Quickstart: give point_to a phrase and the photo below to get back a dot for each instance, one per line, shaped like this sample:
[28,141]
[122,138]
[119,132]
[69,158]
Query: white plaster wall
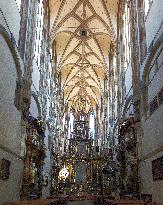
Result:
[33,108]
[153,129]
[48,108]
[157,83]
[128,85]
[128,79]
[10,188]
[10,124]
[152,141]
[152,138]
[35,76]
[35,88]
[147,184]
[153,20]
[12,15]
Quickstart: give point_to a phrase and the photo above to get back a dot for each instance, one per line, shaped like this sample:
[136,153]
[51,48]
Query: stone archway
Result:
[14,52]
[146,72]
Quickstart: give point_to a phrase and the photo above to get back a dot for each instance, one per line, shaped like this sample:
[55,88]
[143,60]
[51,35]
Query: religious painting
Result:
[80,172]
[157,169]
[4,169]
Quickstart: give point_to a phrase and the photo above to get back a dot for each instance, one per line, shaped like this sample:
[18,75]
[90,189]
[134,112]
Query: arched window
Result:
[147,6]
[39,32]
[18,3]
[127,34]
[92,126]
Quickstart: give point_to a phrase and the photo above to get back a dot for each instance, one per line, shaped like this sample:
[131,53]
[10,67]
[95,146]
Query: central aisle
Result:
[83,202]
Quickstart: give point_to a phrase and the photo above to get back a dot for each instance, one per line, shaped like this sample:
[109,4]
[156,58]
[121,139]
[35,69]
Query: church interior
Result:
[81,102]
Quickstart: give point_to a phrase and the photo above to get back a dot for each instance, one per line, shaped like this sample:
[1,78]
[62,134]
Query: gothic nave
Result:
[81,102]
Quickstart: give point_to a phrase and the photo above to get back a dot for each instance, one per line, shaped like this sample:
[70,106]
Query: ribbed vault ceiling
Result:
[82,32]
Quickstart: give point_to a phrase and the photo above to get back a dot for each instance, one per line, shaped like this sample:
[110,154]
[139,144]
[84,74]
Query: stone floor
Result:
[85,202]
[80,202]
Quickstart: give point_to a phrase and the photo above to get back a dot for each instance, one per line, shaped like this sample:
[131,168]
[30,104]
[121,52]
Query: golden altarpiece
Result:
[34,160]
[81,169]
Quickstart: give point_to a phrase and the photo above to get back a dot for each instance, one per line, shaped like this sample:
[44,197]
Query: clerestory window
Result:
[127,35]
[147,6]
[18,3]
